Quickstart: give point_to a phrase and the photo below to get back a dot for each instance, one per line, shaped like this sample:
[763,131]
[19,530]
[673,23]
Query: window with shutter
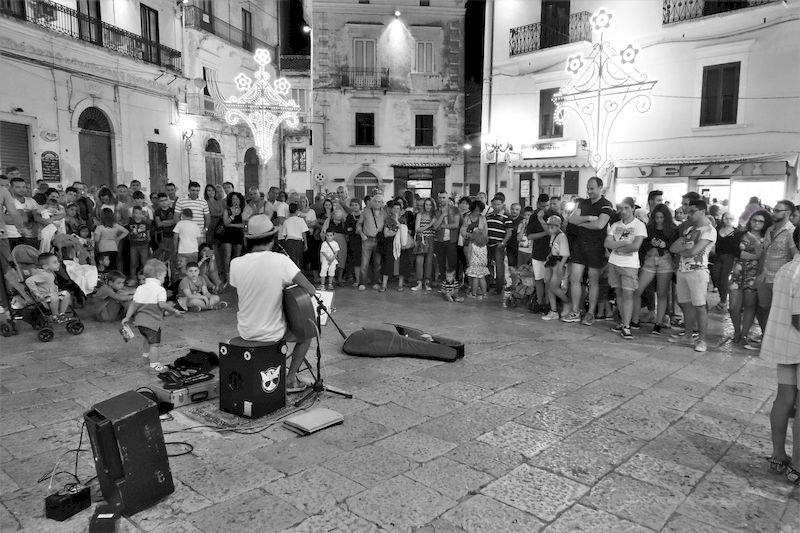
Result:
[547,110]
[424,60]
[720,95]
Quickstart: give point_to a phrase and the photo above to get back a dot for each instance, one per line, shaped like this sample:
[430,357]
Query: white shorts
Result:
[538,270]
[328,268]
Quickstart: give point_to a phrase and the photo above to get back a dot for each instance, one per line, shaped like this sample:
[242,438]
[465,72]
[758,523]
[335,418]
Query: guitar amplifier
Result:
[252,377]
[129,452]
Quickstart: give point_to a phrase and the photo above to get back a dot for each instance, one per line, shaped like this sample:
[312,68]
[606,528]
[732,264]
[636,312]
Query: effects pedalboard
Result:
[67,502]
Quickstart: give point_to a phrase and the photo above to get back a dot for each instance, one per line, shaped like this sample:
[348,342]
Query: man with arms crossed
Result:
[259,278]
[692,249]
[591,217]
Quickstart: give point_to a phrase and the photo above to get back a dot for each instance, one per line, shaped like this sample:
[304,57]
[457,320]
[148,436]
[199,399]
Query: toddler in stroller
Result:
[39,301]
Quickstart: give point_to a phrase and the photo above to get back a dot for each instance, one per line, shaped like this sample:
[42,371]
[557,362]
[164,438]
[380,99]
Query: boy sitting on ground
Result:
[193,293]
[42,284]
[450,286]
[112,299]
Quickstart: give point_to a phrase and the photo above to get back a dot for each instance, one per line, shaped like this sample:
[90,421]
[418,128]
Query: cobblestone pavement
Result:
[543,425]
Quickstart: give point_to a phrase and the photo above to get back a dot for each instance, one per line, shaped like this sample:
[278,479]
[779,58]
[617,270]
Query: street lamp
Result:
[496,147]
[467,147]
[397,14]
[187,131]
[306,28]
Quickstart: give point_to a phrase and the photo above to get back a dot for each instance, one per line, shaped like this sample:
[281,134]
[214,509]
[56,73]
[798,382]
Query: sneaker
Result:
[588,319]
[362,287]
[330,286]
[617,328]
[321,287]
[571,317]
[700,346]
[656,329]
[635,325]
[376,287]
[194,309]
[626,333]
[428,287]
[417,287]
[552,315]
[748,344]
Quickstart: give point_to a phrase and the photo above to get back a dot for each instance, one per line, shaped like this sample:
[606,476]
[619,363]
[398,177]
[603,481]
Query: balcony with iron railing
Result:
[680,10]
[69,22]
[198,19]
[362,78]
[536,36]
[295,63]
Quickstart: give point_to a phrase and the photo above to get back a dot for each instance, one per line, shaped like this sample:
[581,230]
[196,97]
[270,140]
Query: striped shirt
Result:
[497,224]
[199,209]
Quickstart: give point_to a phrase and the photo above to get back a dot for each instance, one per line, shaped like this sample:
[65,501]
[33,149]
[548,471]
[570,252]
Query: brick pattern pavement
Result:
[543,426]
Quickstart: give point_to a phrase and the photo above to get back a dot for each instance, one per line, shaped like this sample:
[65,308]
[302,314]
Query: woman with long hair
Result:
[727,248]
[390,261]
[424,232]
[463,210]
[743,293]
[472,220]
[216,205]
[233,230]
[656,263]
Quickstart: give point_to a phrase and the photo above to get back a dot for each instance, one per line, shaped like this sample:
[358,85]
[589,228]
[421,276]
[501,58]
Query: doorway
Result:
[94,145]
[555,23]
[213,163]
[251,164]
[157,161]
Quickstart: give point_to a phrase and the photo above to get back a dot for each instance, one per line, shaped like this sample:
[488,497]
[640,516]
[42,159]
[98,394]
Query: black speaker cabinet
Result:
[252,377]
[129,452]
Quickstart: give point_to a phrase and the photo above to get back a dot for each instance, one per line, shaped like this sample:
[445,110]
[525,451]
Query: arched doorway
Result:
[213,163]
[364,184]
[251,164]
[94,144]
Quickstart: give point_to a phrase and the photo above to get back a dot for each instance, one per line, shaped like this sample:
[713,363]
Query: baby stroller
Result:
[522,291]
[25,259]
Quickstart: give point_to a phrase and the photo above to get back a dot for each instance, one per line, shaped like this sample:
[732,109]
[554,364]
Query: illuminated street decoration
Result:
[602,85]
[262,105]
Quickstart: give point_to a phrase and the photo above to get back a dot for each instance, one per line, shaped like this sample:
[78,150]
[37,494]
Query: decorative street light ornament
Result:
[262,105]
[602,85]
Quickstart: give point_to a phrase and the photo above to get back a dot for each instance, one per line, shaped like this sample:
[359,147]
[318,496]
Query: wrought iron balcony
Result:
[201,20]
[532,37]
[680,10]
[66,21]
[363,78]
[296,63]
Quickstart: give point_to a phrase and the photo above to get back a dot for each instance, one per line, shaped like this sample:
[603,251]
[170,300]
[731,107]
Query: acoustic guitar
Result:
[299,311]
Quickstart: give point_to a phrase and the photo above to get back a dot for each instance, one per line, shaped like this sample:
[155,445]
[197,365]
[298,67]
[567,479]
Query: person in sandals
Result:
[781,345]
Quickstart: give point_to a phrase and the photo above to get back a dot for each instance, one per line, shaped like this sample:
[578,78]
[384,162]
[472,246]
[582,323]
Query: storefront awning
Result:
[631,161]
[556,162]
[421,163]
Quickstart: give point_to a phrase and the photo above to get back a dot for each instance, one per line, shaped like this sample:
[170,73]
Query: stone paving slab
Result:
[543,426]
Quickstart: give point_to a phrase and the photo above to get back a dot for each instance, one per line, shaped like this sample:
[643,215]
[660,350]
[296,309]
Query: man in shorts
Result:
[591,217]
[624,239]
[538,235]
[781,346]
[692,249]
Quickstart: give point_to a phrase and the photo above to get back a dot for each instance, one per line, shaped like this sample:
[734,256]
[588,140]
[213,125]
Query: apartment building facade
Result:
[388,102]
[724,113]
[110,91]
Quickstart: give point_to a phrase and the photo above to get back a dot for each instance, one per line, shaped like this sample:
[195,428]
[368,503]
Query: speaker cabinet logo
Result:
[270,379]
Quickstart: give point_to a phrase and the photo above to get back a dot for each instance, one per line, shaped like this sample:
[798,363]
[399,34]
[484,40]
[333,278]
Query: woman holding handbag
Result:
[423,244]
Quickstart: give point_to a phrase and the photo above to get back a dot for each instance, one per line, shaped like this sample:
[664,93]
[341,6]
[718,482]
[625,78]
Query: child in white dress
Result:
[477,270]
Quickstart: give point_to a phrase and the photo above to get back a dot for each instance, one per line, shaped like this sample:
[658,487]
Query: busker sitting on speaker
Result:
[259,278]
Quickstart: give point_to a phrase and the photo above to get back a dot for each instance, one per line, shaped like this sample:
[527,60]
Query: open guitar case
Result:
[402,341]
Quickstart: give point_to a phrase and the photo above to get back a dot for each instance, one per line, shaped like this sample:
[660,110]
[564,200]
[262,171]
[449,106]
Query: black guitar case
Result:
[403,342]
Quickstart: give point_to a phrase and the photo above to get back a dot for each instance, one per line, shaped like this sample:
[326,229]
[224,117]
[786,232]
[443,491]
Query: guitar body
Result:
[299,311]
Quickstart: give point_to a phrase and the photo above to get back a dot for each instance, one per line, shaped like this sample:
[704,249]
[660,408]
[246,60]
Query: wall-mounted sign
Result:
[48,135]
[550,149]
[706,170]
[51,169]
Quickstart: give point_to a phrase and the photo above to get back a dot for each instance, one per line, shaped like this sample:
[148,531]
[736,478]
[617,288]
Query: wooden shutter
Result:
[14,149]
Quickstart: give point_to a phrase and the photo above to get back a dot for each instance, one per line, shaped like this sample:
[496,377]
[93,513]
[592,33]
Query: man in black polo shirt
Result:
[537,234]
[591,218]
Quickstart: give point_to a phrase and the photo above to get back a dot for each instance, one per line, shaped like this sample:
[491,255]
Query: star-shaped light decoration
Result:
[601,19]
[262,106]
[629,54]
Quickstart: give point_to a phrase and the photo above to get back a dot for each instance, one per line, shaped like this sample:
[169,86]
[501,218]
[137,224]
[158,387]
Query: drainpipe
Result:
[486,94]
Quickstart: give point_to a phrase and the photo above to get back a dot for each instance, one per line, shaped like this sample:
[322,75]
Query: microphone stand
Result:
[319,385]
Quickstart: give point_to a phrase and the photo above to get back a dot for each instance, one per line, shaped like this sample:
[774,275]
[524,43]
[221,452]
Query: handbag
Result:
[420,243]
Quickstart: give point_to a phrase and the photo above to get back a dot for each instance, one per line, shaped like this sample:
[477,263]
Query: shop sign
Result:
[547,149]
[524,188]
[51,169]
[705,170]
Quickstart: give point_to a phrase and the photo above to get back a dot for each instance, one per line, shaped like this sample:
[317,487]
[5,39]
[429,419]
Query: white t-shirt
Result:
[330,248]
[294,227]
[281,209]
[26,210]
[259,279]
[199,209]
[188,233]
[626,232]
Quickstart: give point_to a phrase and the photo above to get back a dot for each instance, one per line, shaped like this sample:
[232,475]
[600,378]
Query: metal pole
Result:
[486,95]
